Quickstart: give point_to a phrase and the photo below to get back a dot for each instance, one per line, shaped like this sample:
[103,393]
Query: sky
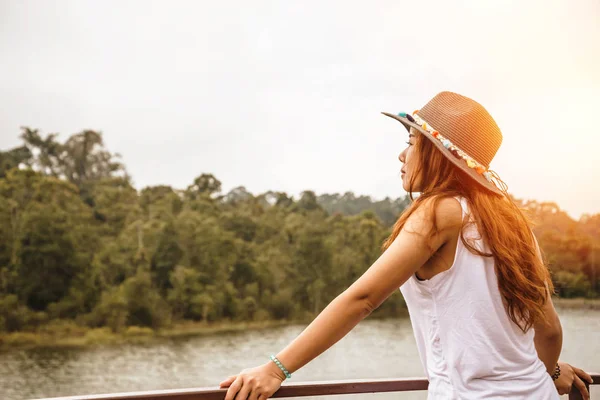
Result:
[287,95]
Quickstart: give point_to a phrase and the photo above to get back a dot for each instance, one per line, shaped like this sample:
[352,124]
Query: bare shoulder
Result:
[447,213]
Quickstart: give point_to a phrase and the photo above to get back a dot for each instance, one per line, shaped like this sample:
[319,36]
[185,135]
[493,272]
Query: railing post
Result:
[576,394]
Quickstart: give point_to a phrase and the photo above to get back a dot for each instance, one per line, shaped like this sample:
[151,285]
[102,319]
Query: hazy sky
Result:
[287,95]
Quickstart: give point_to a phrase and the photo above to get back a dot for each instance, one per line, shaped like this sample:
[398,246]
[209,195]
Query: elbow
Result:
[556,332]
[368,307]
[363,304]
[552,336]
[552,333]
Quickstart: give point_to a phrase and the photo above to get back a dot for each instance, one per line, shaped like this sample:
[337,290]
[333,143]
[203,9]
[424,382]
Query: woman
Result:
[469,268]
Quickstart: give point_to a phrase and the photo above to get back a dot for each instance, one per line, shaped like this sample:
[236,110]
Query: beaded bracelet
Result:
[281,367]
[556,372]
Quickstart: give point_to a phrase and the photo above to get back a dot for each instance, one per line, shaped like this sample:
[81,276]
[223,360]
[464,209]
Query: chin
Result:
[405,186]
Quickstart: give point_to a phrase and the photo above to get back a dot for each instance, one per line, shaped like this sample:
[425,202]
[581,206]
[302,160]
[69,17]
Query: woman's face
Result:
[410,161]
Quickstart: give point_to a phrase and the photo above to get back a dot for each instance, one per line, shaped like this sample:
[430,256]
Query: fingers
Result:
[244,392]
[582,389]
[227,381]
[234,389]
[263,397]
[583,375]
[253,395]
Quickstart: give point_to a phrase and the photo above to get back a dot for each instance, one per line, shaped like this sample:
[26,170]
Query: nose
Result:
[402,156]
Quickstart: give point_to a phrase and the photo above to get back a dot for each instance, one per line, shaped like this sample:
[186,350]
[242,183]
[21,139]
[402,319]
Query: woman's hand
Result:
[257,383]
[570,376]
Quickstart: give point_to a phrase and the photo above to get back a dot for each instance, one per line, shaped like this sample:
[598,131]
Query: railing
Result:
[290,390]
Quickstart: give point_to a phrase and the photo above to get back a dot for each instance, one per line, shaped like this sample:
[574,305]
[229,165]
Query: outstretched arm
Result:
[404,257]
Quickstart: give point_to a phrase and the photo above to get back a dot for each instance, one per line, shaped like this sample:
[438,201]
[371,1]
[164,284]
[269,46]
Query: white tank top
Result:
[469,347]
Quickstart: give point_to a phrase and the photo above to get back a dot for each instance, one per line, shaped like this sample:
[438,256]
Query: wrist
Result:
[556,373]
[274,369]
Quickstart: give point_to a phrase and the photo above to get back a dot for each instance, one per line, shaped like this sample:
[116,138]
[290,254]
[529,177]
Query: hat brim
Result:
[460,163]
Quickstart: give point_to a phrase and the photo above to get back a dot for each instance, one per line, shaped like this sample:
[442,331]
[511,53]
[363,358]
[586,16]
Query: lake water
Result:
[374,349]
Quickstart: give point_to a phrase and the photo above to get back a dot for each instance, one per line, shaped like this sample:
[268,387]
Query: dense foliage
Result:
[79,243]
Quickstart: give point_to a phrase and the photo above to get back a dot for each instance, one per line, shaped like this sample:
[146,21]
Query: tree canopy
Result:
[79,242]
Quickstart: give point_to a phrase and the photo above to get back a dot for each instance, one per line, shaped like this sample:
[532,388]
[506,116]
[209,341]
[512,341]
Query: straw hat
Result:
[463,131]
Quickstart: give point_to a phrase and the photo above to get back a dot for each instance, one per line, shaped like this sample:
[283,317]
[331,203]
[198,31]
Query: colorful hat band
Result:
[458,153]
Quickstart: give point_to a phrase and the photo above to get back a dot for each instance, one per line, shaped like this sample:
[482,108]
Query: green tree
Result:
[166,257]
[115,204]
[145,306]
[13,159]
[204,185]
[53,242]
[81,159]
[185,286]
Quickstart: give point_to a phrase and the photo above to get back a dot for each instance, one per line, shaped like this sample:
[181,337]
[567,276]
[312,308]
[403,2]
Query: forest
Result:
[79,243]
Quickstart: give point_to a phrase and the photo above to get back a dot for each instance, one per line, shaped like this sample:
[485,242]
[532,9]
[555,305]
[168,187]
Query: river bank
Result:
[71,335]
[68,334]
[577,304]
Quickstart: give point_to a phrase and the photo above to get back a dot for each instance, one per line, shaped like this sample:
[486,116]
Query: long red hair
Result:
[523,279]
